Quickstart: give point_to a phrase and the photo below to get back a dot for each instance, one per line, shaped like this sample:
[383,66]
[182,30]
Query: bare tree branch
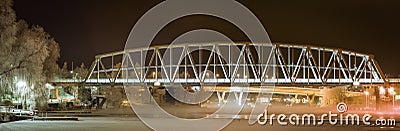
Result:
[20,63]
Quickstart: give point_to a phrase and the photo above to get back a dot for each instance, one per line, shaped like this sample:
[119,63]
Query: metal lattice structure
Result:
[227,63]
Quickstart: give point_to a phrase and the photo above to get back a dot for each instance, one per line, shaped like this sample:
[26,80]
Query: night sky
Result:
[84,28]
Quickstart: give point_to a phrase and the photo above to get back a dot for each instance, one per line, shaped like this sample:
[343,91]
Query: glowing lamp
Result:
[382,90]
[21,83]
[157,83]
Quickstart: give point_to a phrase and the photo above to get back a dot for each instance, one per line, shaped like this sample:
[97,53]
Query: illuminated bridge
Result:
[228,63]
[292,69]
[279,68]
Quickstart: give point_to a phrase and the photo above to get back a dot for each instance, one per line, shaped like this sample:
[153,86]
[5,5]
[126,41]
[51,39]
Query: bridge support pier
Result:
[221,97]
[377,99]
[99,102]
[238,97]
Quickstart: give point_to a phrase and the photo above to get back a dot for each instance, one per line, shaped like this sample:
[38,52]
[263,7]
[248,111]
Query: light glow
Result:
[391,91]
[382,90]
[21,84]
[157,83]
[366,92]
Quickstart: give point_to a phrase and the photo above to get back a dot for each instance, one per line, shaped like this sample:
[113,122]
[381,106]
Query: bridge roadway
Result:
[276,89]
[96,82]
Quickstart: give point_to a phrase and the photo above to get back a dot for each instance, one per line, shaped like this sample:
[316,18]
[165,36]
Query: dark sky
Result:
[84,28]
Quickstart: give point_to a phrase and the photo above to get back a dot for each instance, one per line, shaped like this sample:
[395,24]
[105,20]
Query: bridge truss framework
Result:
[228,63]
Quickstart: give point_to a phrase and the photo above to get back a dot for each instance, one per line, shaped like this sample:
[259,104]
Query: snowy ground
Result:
[133,123]
[124,119]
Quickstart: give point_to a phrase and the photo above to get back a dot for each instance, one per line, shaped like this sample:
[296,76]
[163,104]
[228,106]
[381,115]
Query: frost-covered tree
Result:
[28,57]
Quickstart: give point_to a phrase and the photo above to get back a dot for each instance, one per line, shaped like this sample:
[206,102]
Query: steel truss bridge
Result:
[283,65]
[227,63]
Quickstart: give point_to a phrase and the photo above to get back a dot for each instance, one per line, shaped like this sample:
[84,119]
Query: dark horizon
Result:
[87,28]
